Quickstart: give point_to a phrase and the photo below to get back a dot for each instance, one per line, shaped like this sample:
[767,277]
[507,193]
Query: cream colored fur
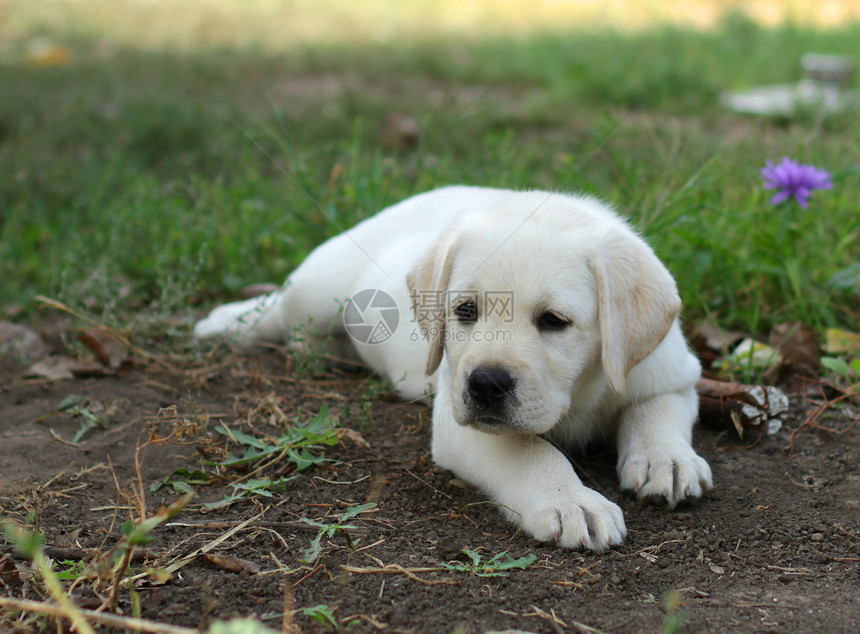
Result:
[616,370]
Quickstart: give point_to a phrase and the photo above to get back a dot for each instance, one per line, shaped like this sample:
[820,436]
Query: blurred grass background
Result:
[155,153]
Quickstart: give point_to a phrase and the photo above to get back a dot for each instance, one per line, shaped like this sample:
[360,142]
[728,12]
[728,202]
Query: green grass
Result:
[144,176]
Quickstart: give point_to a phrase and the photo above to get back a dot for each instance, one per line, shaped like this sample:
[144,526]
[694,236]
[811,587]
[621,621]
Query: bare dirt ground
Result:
[774,548]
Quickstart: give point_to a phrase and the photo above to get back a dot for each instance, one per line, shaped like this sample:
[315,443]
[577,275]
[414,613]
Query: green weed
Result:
[183,481]
[265,487]
[299,445]
[676,618]
[329,530]
[844,369]
[187,172]
[497,566]
[109,572]
[320,613]
[302,446]
[78,406]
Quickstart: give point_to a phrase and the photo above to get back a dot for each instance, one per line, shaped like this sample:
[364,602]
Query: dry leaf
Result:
[232,564]
[842,342]
[59,368]
[55,368]
[9,574]
[799,352]
[715,338]
[109,350]
[355,437]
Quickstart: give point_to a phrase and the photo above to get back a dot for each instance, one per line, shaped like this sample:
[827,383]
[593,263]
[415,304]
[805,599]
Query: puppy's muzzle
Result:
[490,388]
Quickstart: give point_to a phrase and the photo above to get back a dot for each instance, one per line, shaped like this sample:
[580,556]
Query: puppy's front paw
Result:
[582,519]
[665,475]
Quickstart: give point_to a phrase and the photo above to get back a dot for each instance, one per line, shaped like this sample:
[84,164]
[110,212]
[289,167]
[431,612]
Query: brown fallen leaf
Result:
[356,438]
[109,350]
[715,337]
[799,353]
[9,574]
[712,342]
[55,368]
[743,406]
[59,368]
[232,564]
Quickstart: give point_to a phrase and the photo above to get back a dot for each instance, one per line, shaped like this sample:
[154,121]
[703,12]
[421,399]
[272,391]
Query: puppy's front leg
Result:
[533,482]
[655,457]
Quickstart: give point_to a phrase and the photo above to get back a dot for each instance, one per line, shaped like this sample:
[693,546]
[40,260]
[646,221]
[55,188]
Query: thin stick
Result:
[396,569]
[183,561]
[812,419]
[288,623]
[111,620]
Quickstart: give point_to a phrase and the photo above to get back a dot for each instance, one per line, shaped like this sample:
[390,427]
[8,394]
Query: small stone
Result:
[21,343]
[817,537]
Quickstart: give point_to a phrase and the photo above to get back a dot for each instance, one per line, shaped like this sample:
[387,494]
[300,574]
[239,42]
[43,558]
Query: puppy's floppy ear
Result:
[637,304]
[428,285]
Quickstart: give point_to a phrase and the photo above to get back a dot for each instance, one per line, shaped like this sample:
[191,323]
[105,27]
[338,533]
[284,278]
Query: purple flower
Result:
[793,179]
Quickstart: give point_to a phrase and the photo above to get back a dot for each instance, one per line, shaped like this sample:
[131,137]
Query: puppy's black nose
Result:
[489,386]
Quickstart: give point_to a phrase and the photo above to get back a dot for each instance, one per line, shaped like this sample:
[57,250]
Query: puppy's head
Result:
[538,307]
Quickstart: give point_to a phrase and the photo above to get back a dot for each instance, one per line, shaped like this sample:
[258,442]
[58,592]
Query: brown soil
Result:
[774,548]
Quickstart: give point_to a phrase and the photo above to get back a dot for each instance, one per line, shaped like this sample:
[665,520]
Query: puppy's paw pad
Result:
[580,520]
[665,476]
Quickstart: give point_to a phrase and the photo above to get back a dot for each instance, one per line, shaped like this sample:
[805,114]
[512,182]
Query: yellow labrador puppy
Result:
[536,320]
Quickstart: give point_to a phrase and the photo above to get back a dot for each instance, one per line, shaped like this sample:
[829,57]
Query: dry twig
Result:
[398,569]
[103,618]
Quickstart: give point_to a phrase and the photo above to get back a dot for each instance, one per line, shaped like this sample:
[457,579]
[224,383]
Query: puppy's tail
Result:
[247,323]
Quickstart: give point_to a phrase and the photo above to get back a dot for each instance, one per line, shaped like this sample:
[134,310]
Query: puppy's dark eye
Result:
[466,313]
[551,322]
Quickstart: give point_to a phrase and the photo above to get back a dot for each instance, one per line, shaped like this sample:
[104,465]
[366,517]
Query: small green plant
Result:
[321,613]
[71,570]
[675,617]
[307,360]
[496,566]
[138,533]
[77,406]
[845,371]
[327,531]
[30,544]
[135,533]
[182,481]
[299,445]
[265,487]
